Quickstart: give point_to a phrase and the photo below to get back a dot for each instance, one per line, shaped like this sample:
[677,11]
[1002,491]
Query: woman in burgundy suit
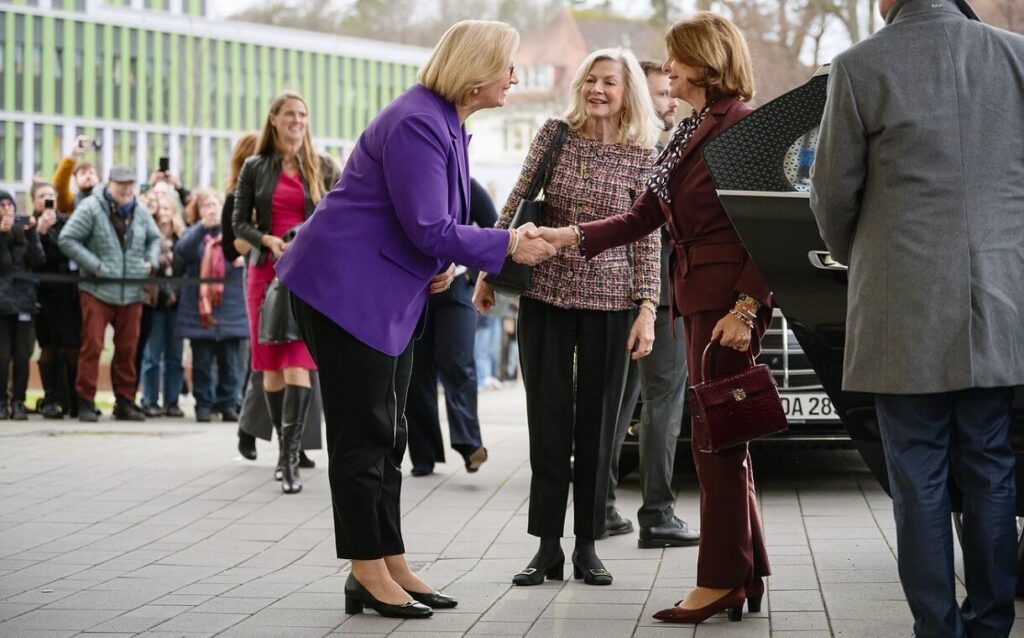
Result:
[715,287]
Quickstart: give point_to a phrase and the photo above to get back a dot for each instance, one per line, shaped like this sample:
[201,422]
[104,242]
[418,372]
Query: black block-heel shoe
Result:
[755,592]
[357,597]
[434,600]
[590,576]
[535,576]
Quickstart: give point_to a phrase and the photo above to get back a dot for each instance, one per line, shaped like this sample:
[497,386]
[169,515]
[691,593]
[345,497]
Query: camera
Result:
[165,165]
[49,203]
[89,144]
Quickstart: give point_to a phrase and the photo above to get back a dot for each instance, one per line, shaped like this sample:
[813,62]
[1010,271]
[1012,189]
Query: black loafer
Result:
[152,411]
[357,597]
[617,526]
[535,576]
[590,575]
[675,533]
[434,600]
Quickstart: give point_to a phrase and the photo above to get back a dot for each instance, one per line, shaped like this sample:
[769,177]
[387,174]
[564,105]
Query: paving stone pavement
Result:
[161,529]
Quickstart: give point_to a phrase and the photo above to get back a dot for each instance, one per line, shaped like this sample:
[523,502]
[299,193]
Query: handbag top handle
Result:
[547,165]
[708,358]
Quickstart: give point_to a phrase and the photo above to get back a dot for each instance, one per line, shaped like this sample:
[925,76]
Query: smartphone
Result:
[89,144]
[49,204]
[165,165]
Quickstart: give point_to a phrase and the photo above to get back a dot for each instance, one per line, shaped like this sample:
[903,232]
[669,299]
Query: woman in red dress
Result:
[278,188]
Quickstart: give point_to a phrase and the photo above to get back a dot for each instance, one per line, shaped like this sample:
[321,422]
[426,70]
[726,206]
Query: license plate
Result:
[808,405]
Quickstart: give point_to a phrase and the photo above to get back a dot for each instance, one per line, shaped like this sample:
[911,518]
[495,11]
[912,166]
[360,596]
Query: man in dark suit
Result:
[661,378]
[445,351]
[919,187]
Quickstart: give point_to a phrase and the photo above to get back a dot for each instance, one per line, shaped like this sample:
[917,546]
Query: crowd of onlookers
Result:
[124,237]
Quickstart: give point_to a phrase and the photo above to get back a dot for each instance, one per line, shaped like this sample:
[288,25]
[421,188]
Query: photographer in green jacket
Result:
[113,236]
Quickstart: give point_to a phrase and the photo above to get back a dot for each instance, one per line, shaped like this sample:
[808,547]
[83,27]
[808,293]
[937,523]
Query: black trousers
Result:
[445,351]
[574,369]
[364,404]
[15,348]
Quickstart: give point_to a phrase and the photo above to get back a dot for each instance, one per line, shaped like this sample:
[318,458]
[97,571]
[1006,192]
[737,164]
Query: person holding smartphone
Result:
[58,325]
[85,174]
[163,175]
[20,252]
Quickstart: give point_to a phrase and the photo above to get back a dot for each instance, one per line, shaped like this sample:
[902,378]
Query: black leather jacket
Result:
[255,192]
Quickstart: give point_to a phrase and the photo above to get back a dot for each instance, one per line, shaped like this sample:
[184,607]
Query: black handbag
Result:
[514,278]
[277,323]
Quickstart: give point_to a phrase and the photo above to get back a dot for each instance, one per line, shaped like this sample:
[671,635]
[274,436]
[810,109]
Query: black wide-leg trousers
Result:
[574,370]
[364,393]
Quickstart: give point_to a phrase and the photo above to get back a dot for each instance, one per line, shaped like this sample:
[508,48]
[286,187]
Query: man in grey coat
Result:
[919,186]
[111,236]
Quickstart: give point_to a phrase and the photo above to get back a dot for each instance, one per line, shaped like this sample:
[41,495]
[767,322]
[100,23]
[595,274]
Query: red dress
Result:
[286,211]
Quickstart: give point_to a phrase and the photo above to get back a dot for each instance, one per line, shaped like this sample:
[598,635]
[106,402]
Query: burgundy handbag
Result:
[737,408]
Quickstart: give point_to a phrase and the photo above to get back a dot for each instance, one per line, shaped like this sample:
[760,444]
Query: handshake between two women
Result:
[531,245]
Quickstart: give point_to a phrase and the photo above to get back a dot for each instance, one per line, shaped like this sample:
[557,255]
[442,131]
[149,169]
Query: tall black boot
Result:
[293,422]
[50,407]
[275,402]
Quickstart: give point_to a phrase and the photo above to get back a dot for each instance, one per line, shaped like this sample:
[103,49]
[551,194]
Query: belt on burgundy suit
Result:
[683,247]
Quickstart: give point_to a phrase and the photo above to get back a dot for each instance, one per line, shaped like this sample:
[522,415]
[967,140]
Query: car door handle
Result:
[822,260]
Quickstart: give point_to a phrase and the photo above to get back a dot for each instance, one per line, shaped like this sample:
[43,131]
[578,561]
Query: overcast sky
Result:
[833,43]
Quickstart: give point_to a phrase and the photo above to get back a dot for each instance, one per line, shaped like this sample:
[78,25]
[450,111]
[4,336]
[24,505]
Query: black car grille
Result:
[782,353]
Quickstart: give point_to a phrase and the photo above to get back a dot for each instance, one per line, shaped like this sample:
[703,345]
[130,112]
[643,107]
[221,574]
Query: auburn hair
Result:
[715,46]
[245,147]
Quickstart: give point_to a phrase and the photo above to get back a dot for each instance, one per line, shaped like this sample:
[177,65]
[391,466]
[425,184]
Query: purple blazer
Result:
[398,216]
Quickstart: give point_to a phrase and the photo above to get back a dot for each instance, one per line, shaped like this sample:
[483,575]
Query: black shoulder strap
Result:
[550,160]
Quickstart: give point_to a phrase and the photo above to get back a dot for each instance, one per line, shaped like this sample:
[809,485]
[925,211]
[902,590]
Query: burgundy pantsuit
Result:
[710,268]
[731,537]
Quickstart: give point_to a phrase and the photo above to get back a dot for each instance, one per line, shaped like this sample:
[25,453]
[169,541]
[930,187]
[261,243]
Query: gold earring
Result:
[475,91]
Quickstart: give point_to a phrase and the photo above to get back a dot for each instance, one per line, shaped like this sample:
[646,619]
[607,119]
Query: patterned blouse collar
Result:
[669,158]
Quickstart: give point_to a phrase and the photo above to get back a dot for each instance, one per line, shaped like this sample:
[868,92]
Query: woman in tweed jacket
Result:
[579,319]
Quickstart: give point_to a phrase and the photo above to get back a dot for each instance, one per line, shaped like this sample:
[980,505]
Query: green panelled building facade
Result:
[159,78]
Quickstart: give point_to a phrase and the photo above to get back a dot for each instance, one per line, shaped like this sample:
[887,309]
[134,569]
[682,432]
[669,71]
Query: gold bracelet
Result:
[747,300]
[647,303]
[579,234]
[749,323]
[515,242]
[745,312]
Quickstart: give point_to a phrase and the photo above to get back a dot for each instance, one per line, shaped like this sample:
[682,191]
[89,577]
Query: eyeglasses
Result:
[511,70]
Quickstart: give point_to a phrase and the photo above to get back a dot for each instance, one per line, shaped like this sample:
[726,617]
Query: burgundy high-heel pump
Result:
[733,601]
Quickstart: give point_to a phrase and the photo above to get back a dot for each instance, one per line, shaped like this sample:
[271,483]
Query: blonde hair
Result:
[309,160]
[639,124]
[714,45]
[245,147]
[468,56]
[152,199]
[199,197]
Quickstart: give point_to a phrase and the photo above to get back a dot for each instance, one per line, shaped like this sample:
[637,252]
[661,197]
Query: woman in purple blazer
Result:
[361,270]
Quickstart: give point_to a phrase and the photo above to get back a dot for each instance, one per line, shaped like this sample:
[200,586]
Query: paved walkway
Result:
[162,530]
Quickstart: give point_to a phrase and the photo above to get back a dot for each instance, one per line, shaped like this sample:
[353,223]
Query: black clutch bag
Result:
[277,323]
[514,278]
